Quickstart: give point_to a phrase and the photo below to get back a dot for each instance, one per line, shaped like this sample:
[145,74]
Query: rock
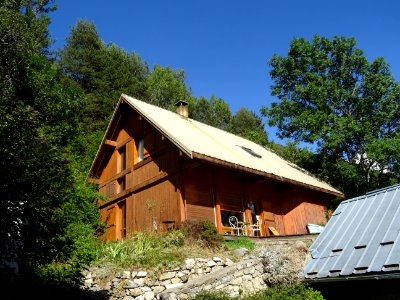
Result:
[237,281]
[133,275]
[228,262]
[135,292]
[258,283]
[240,251]
[216,268]
[126,275]
[189,263]
[149,295]
[166,276]
[139,281]
[158,289]
[130,285]
[141,274]
[173,285]
[217,259]
[184,278]
[175,280]
[211,263]
[249,270]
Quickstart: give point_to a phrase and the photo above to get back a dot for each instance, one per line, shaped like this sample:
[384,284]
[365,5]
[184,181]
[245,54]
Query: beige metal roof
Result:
[197,139]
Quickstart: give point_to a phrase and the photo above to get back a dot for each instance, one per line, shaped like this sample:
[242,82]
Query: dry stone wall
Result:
[280,261]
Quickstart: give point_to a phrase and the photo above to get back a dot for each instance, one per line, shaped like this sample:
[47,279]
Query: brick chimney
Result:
[182,108]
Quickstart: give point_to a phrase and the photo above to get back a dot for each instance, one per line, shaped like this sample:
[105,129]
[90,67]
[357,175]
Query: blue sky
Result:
[224,45]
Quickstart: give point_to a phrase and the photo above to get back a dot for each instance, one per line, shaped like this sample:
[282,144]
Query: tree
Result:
[247,124]
[214,112]
[332,97]
[38,194]
[166,86]
[102,72]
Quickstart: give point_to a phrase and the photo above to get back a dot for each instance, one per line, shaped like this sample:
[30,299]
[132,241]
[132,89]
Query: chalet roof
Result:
[362,238]
[198,140]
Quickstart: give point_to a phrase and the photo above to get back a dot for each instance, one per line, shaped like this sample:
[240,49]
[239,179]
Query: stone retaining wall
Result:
[270,264]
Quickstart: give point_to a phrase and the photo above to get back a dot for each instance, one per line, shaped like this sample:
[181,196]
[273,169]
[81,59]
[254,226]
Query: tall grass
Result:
[144,249]
[165,250]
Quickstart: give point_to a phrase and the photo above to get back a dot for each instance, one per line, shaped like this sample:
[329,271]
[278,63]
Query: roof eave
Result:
[93,167]
[154,123]
[376,276]
[264,174]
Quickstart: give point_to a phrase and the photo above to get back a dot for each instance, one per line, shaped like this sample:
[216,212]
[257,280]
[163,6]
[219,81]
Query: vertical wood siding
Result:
[198,194]
[150,207]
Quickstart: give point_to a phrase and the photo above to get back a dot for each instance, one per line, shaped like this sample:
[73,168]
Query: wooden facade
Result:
[150,184]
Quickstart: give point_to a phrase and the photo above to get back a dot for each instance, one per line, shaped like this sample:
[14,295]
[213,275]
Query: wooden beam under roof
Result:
[110,143]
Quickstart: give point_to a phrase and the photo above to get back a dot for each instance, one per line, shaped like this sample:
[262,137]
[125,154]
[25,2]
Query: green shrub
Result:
[282,292]
[294,292]
[213,296]
[202,230]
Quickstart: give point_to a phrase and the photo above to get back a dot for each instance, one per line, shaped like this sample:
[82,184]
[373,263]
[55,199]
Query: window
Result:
[225,214]
[121,166]
[140,150]
[121,184]
[121,159]
[251,151]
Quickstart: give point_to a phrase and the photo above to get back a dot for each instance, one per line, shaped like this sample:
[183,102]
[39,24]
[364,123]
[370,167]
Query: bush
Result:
[204,231]
[282,292]
[213,296]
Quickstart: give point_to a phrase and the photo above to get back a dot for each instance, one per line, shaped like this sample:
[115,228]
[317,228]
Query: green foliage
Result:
[48,222]
[240,242]
[213,295]
[214,112]
[294,292]
[203,231]
[166,86]
[302,157]
[331,96]
[145,249]
[247,124]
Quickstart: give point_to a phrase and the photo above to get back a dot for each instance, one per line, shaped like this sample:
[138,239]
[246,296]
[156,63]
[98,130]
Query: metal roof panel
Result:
[362,237]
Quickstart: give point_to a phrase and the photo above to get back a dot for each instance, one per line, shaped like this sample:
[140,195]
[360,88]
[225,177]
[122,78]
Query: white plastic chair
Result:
[234,222]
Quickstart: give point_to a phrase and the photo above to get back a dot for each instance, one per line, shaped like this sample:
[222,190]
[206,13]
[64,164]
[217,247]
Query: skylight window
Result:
[251,151]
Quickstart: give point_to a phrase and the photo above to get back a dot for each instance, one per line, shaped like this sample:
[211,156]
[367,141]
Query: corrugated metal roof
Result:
[361,238]
[194,138]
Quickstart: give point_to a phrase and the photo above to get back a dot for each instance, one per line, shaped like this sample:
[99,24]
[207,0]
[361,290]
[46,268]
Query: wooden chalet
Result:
[158,168]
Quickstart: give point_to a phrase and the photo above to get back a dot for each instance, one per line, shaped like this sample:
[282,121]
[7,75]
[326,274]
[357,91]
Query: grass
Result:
[148,250]
[240,242]
[152,250]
